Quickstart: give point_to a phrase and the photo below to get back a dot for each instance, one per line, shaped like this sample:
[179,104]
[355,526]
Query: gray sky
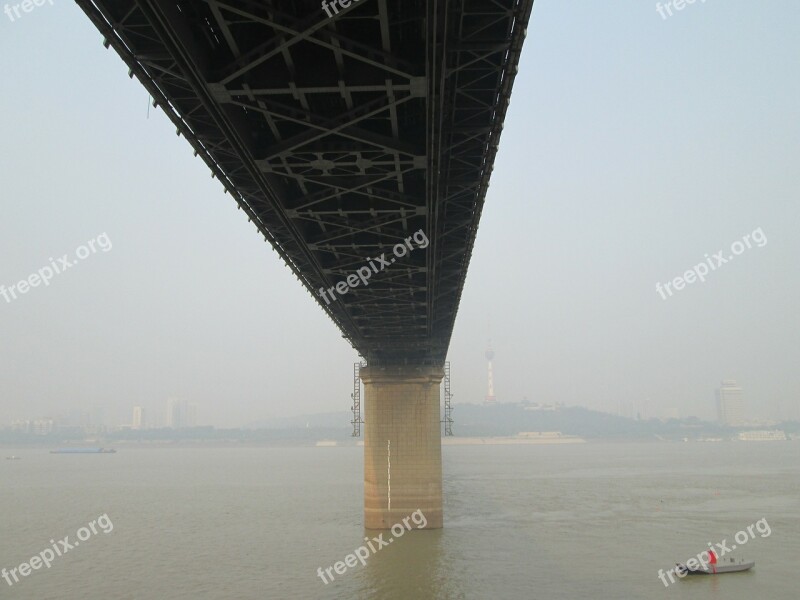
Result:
[633,147]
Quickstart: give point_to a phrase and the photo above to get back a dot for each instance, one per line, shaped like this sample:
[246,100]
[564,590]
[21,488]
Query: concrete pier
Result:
[402,445]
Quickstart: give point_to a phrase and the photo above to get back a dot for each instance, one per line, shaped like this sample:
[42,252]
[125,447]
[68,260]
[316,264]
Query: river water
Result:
[593,520]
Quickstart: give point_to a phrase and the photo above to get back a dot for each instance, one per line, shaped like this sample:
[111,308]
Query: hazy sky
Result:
[633,147]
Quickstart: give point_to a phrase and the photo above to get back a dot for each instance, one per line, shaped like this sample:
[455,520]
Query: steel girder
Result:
[342,136]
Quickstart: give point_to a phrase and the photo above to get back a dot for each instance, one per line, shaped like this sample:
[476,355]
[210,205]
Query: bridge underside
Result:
[345,133]
[341,137]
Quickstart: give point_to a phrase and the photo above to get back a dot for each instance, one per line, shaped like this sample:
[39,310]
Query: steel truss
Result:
[341,137]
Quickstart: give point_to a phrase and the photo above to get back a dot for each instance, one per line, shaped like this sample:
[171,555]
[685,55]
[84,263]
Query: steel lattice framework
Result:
[342,136]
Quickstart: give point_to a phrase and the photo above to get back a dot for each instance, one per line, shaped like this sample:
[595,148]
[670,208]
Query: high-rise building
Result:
[191,414]
[93,420]
[730,404]
[138,418]
[175,413]
[181,413]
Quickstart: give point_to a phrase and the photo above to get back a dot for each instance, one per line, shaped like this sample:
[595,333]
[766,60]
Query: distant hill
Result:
[510,419]
[477,420]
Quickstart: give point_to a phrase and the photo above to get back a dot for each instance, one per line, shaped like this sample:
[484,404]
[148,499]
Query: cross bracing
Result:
[341,137]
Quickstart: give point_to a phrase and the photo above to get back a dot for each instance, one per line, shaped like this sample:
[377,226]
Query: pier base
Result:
[402,445]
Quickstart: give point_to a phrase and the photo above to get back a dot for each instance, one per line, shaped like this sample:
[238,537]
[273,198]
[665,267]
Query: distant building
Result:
[42,426]
[174,413]
[629,409]
[775,435]
[36,427]
[191,414]
[93,420]
[19,425]
[730,404]
[181,413]
[544,406]
[138,418]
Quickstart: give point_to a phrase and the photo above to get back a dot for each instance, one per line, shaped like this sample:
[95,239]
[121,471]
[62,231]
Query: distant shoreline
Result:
[349,442]
[500,441]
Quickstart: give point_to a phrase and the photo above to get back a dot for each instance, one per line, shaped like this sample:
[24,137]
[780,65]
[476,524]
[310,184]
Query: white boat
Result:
[732,566]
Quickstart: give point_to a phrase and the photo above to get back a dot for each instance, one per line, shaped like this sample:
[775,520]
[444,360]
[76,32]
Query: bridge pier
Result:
[402,445]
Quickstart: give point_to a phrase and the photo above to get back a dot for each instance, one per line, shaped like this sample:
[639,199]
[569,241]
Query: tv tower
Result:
[490,399]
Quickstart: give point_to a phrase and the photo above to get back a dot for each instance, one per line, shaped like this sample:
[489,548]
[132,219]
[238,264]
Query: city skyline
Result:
[727,401]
